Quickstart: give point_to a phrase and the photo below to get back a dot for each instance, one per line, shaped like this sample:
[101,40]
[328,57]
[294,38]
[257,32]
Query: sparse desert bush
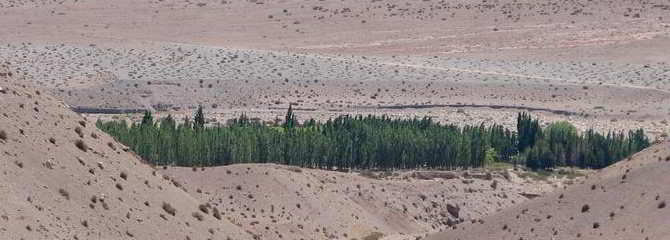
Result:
[585,208]
[3,135]
[64,193]
[198,216]
[111,146]
[369,174]
[374,236]
[81,145]
[169,209]
[204,208]
[79,132]
[216,213]
[661,205]
[124,175]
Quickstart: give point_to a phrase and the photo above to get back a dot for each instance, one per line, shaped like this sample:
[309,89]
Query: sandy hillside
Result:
[62,178]
[54,188]
[278,202]
[625,201]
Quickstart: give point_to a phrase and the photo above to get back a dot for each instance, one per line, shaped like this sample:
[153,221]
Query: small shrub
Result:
[81,145]
[119,186]
[216,213]
[64,193]
[585,208]
[52,140]
[169,209]
[111,145]
[198,216]
[661,205]
[124,175]
[79,132]
[374,236]
[3,135]
[203,208]
[369,174]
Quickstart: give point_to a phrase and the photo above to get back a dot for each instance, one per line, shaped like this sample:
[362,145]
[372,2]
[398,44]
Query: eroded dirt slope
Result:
[61,178]
[279,202]
[625,201]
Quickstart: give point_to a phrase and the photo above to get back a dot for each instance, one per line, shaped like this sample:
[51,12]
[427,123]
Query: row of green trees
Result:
[560,144]
[370,142]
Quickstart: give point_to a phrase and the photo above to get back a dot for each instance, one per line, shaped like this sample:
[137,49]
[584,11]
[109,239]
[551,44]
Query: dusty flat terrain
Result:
[601,61]
[398,27]
[623,201]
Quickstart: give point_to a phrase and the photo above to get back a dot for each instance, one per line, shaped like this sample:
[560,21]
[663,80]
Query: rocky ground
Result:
[598,63]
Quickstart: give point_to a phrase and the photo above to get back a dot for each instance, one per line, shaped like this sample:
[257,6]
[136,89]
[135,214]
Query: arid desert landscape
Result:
[585,70]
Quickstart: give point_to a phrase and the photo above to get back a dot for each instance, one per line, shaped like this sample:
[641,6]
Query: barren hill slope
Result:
[279,202]
[625,201]
[61,178]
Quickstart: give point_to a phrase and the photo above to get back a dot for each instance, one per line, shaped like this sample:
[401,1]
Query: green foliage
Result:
[148,119]
[290,121]
[561,145]
[528,130]
[343,143]
[491,156]
[371,142]
[199,119]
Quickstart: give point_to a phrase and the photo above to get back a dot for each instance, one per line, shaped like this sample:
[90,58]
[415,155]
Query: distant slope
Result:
[50,188]
[278,202]
[625,201]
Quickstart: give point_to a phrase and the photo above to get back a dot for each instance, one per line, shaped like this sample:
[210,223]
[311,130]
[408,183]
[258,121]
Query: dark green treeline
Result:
[370,142]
